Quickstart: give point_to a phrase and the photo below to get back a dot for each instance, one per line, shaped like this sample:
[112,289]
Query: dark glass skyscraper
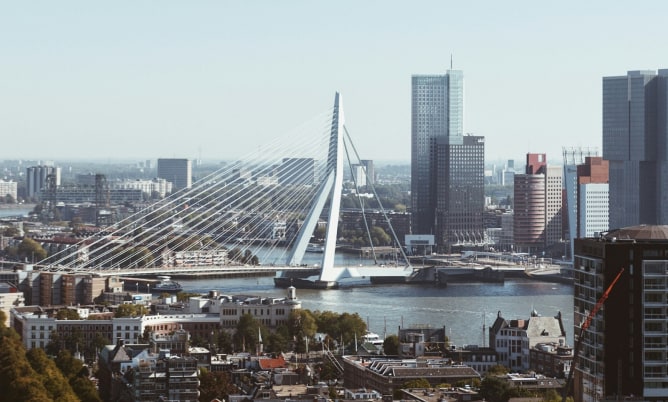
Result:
[635,142]
[447,168]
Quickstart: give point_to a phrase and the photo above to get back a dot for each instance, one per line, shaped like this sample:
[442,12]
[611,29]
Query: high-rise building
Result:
[593,199]
[538,211]
[437,111]
[177,171]
[573,157]
[370,173]
[529,210]
[37,179]
[623,351]
[635,141]
[460,192]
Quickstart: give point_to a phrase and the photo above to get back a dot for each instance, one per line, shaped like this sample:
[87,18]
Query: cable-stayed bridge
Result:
[259,211]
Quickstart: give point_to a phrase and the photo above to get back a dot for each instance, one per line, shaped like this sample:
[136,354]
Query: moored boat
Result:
[166,285]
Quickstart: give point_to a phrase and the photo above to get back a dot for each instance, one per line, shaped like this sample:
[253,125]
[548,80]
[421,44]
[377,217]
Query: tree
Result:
[351,326]
[215,384]
[302,327]
[67,314]
[54,381]
[391,345]
[30,250]
[494,389]
[246,335]
[77,376]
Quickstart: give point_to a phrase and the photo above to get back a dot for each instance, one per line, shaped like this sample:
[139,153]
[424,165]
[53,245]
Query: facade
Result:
[593,197]
[538,210]
[635,142]
[513,339]
[460,192]
[551,359]
[553,206]
[133,372]
[36,179]
[573,157]
[623,352]
[176,171]
[158,186]
[437,111]
[8,188]
[529,212]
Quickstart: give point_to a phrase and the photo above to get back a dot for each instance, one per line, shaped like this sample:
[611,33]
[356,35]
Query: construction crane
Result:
[583,328]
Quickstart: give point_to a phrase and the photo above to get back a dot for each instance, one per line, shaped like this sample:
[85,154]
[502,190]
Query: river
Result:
[463,308]
[16,210]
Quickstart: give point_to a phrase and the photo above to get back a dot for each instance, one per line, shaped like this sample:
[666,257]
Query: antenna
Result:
[450,61]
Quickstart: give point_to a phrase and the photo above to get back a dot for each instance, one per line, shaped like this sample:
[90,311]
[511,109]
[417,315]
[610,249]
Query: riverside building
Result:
[447,167]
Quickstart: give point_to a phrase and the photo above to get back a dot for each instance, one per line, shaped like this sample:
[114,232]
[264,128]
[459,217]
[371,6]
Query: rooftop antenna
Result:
[450,61]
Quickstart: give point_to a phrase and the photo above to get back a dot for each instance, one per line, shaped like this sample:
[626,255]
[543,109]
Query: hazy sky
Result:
[147,79]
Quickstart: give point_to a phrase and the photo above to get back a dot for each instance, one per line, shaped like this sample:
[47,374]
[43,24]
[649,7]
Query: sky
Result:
[209,79]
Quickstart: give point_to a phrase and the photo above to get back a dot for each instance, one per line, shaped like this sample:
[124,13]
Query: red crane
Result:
[583,328]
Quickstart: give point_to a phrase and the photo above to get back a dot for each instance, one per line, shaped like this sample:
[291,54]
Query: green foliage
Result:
[77,376]
[54,381]
[497,370]
[495,389]
[277,341]
[215,384]
[391,345]
[337,326]
[417,383]
[67,314]
[130,310]
[246,335]
[30,250]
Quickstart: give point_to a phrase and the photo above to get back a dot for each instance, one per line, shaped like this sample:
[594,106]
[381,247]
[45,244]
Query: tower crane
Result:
[583,328]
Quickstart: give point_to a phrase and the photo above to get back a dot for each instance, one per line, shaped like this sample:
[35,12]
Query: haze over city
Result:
[180,79]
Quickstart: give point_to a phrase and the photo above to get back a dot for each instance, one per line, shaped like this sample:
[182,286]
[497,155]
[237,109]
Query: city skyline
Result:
[145,77]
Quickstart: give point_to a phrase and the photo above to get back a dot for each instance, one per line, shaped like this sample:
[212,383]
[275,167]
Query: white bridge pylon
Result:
[331,186]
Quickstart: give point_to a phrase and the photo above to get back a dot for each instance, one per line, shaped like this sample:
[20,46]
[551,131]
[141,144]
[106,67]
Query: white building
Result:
[553,205]
[8,188]
[148,187]
[593,212]
[513,339]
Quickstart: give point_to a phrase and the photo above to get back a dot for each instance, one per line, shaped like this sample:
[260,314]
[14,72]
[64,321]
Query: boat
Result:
[166,285]
[373,339]
[315,248]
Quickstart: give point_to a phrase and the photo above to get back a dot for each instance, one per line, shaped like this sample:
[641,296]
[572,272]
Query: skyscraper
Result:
[460,192]
[437,112]
[635,141]
[529,192]
[177,171]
